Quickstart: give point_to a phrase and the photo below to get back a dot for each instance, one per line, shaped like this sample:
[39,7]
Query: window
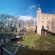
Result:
[42,27]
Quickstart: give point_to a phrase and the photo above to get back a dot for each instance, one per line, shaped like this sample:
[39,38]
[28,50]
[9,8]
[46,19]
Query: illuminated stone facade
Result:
[47,21]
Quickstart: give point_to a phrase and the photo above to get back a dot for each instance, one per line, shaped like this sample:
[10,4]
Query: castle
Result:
[46,21]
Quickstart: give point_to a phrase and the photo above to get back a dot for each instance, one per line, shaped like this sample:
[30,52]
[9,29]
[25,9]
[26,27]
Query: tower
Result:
[39,21]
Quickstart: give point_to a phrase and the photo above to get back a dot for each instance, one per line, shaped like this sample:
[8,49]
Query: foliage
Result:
[10,46]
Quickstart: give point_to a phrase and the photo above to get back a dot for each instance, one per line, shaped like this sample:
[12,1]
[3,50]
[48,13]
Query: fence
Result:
[47,32]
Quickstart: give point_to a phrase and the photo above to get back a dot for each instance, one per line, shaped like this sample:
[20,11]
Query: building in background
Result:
[46,21]
[1,27]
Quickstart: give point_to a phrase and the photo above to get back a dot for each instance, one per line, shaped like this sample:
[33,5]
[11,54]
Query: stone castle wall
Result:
[46,20]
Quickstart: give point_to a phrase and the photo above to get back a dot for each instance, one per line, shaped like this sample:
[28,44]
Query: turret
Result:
[39,21]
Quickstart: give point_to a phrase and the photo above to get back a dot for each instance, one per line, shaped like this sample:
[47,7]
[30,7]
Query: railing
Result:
[4,51]
[46,32]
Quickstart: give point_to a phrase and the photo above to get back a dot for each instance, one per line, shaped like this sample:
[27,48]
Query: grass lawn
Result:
[37,45]
[31,39]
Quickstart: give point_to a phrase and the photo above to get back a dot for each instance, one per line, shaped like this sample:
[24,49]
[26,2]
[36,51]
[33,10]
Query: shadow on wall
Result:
[27,51]
[36,29]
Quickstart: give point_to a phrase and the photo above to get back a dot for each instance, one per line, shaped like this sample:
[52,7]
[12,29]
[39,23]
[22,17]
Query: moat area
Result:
[32,44]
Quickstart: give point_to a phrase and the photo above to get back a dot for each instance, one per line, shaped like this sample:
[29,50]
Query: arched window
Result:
[42,27]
